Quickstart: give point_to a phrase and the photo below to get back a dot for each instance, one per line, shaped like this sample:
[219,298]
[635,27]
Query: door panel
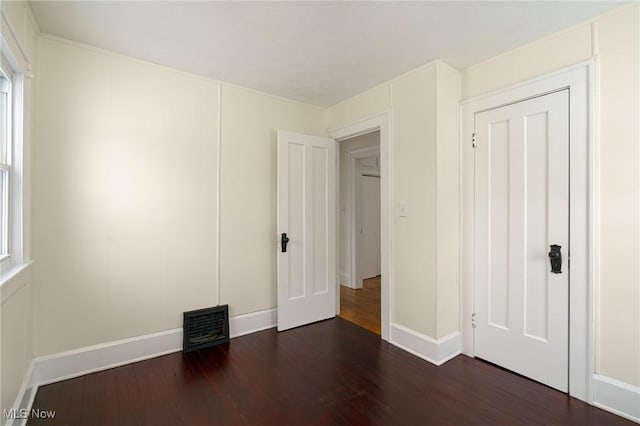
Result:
[370,227]
[306,198]
[522,193]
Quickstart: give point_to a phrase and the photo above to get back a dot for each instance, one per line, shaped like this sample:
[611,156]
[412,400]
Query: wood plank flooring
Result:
[362,306]
[329,373]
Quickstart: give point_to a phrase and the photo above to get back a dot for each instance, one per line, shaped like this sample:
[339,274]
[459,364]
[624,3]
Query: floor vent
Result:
[205,327]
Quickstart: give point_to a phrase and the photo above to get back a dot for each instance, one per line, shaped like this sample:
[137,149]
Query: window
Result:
[12,213]
[5,161]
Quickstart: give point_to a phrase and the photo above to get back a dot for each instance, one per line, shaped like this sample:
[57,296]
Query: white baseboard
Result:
[435,351]
[240,325]
[345,279]
[617,397]
[78,362]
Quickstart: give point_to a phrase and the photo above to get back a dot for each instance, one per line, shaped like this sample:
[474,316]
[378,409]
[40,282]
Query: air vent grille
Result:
[205,327]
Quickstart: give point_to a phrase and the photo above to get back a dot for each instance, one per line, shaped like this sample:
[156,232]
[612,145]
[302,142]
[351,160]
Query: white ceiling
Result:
[315,52]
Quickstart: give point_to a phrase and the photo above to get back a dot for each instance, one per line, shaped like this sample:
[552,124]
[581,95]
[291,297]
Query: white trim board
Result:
[53,368]
[436,351]
[617,397]
[579,80]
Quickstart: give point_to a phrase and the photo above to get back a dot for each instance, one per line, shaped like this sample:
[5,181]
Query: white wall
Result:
[344,221]
[614,39]
[16,293]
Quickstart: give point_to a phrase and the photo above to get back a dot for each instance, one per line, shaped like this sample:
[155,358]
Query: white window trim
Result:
[16,259]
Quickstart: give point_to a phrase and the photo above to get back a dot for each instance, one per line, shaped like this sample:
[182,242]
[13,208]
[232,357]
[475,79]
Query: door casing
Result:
[579,80]
[377,122]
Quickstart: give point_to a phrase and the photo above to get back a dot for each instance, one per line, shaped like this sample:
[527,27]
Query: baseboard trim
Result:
[617,397]
[240,325]
[435,351]
[345,279]
[47,369]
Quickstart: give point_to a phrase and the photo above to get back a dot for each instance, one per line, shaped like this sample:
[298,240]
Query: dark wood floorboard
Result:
[328,373]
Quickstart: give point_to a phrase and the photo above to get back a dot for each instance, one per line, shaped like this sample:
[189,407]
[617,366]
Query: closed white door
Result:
[306,200]
[522,209]
[369,252]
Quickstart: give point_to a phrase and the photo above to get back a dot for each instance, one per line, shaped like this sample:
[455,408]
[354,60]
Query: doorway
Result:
[380,123]
[480,303]
[360,231]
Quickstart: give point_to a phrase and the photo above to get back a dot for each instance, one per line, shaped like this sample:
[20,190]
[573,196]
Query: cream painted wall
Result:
[359,107]
[248,239]
[414,183]
[615,40]
[418,135]
[448,199]
[550,53]
[125,197]
[344,225]
[127,238]
[618,262]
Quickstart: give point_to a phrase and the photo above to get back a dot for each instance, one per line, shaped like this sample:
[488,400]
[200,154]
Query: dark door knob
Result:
[555,257]
[283,242]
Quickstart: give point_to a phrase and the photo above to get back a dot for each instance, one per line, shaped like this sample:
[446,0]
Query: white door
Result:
[522,208]
[306,199]
[369,252]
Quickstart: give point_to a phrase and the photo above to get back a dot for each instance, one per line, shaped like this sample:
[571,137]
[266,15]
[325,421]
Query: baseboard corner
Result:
[436,351]
[617,397]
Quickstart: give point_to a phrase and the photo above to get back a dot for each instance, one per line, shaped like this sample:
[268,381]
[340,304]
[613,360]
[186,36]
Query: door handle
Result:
[555,257]
[283,242]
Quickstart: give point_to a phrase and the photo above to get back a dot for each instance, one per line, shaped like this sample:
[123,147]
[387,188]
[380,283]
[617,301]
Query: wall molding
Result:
[617,397]
[436,351]
[345,279]
[47,369]
[240,325]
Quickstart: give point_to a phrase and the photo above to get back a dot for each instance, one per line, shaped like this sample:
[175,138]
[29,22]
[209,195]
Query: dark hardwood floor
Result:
[362,306]
[328,373]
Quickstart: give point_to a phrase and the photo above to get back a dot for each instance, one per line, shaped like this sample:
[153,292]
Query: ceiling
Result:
[315,52]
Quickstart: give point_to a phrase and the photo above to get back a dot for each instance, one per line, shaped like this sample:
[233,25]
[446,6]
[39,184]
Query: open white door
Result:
[522,222]
[307,215]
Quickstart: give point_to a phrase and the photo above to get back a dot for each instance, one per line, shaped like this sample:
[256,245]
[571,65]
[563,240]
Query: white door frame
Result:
[354,218]
[579,80]
[377,122]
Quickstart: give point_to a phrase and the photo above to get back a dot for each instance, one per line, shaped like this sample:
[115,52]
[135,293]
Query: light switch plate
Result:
[403,209]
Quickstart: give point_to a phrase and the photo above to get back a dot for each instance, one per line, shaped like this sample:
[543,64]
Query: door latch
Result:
[555,257]
[283,242]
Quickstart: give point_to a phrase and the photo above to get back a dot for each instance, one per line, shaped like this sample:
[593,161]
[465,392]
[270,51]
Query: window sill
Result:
[8,285]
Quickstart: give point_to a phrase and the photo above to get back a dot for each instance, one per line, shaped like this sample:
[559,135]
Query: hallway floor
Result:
[362,306]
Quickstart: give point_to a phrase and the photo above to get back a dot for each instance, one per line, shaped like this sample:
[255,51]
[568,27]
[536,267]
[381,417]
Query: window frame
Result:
[6,142]
[13,242]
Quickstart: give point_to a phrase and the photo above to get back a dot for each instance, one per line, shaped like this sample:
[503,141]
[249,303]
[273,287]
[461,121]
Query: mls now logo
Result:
[36,413]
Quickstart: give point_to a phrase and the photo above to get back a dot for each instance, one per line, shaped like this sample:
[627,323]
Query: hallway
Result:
[362,306]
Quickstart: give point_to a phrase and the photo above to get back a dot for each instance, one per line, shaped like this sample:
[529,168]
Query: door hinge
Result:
[473,320]
[473,140]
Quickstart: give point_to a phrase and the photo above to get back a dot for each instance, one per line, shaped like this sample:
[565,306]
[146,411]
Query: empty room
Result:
[331,212]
